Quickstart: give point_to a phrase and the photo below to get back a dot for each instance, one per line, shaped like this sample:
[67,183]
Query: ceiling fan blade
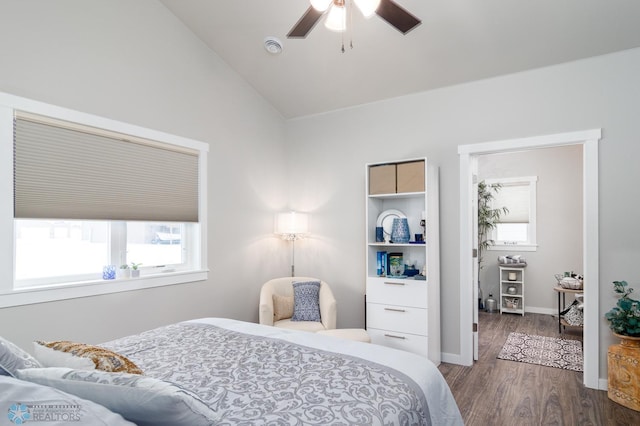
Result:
[397,16]
[305,24]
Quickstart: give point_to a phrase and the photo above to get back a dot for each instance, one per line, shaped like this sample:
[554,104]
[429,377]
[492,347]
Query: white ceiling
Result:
[458,41]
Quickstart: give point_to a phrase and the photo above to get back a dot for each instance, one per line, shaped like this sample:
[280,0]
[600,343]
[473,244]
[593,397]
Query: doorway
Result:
[468,291]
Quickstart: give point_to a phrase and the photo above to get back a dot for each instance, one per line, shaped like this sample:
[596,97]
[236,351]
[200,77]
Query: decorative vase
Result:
[400,231]
[491,304]
[109,272]
[624,372]
[379,234]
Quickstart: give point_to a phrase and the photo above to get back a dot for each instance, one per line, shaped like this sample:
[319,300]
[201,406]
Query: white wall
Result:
[329,152]
[558,219]
[135,62]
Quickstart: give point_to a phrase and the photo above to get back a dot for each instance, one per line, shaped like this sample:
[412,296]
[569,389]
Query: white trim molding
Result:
[12,296]
[589,140]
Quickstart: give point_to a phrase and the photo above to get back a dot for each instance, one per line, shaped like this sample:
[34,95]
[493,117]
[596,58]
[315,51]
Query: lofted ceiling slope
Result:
[458,41]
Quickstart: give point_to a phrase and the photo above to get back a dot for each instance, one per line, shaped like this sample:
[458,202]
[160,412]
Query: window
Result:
[517,228]
[69,251]
[89,192]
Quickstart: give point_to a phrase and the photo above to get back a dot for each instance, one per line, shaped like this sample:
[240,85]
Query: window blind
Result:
[516,198]
[66,170]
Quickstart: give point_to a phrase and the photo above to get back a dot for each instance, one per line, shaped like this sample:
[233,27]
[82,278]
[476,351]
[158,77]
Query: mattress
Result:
[254,374]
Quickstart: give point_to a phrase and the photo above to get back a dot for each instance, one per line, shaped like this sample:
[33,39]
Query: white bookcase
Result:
[511,290]
[404,311]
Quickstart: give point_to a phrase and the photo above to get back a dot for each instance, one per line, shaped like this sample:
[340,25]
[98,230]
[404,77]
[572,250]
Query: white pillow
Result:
[140,399]
[26,400]
[50,357]
[80,356]
[13,358]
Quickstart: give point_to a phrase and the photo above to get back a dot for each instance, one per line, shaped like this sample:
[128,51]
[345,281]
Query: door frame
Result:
[589,140]
[475,264]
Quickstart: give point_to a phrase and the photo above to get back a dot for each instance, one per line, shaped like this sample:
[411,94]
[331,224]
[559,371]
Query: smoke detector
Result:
[273,45]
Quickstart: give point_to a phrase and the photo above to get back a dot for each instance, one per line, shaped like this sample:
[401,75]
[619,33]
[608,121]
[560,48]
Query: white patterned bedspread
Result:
[255,374]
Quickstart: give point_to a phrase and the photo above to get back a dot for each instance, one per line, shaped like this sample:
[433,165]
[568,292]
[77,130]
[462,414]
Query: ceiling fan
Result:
[336,12]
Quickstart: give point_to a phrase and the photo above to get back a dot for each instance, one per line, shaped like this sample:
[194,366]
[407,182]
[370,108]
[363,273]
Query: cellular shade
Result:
[515,197]
[69,171]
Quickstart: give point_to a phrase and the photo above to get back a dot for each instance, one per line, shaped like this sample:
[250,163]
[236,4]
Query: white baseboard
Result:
[545,311]
[451,358]
[603,384]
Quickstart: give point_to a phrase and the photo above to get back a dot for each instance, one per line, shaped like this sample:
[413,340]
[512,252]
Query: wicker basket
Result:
[571,283]
[511,303]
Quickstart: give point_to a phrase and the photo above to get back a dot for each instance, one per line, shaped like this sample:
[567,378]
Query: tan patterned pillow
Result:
[282,307]
[79,355]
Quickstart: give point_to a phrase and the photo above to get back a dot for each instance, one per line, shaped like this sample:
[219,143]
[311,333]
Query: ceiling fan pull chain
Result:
[351,25]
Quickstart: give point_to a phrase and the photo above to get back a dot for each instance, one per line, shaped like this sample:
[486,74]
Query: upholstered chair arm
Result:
[328,307]
[266,306]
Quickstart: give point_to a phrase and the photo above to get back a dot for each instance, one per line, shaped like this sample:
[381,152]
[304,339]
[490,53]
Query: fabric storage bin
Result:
[382,179]
[410,177]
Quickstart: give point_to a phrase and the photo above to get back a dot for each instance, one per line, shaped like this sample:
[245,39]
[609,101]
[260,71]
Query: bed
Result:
[244,373]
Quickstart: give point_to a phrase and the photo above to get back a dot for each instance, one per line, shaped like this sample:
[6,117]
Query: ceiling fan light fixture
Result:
[367,7]
[321,5]
[336,19]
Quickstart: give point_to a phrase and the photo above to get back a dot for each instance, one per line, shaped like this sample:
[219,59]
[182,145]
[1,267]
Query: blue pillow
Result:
[12,358]
[306,301]
[143,400]
[22,401]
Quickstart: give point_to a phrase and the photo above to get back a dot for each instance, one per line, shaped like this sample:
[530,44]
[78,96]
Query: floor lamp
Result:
[292,226]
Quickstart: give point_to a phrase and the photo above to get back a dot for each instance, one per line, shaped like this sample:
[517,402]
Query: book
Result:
[381,263]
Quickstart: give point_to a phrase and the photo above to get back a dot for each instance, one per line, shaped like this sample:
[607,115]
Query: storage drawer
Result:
[389,291]
[405,319]
[403,341]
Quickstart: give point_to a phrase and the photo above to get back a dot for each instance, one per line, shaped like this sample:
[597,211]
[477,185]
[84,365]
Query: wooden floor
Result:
[500,392]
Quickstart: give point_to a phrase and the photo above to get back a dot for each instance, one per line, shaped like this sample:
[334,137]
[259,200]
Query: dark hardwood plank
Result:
[500,392]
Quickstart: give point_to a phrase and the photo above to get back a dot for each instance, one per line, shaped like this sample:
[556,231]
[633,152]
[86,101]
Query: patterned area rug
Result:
[547,351]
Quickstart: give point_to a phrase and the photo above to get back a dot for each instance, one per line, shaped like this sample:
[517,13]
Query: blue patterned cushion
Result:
[306,305]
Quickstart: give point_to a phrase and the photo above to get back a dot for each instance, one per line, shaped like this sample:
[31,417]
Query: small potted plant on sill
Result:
[624,358]
[124,272]
[135,272]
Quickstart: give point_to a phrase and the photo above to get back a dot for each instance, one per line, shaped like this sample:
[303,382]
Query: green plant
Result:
[125,266]
[624,318]
[134,266]
[488,217]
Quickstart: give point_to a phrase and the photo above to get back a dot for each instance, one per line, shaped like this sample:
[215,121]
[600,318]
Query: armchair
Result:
[283,287]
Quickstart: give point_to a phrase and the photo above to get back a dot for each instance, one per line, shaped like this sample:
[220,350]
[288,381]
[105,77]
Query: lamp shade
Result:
[367,7]
[321,5]
[292,224]
[336,18]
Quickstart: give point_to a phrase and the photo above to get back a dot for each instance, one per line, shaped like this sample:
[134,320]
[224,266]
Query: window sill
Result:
[34,295]
[513,247]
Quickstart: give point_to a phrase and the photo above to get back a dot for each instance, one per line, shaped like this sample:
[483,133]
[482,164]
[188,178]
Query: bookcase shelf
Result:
[404,311]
